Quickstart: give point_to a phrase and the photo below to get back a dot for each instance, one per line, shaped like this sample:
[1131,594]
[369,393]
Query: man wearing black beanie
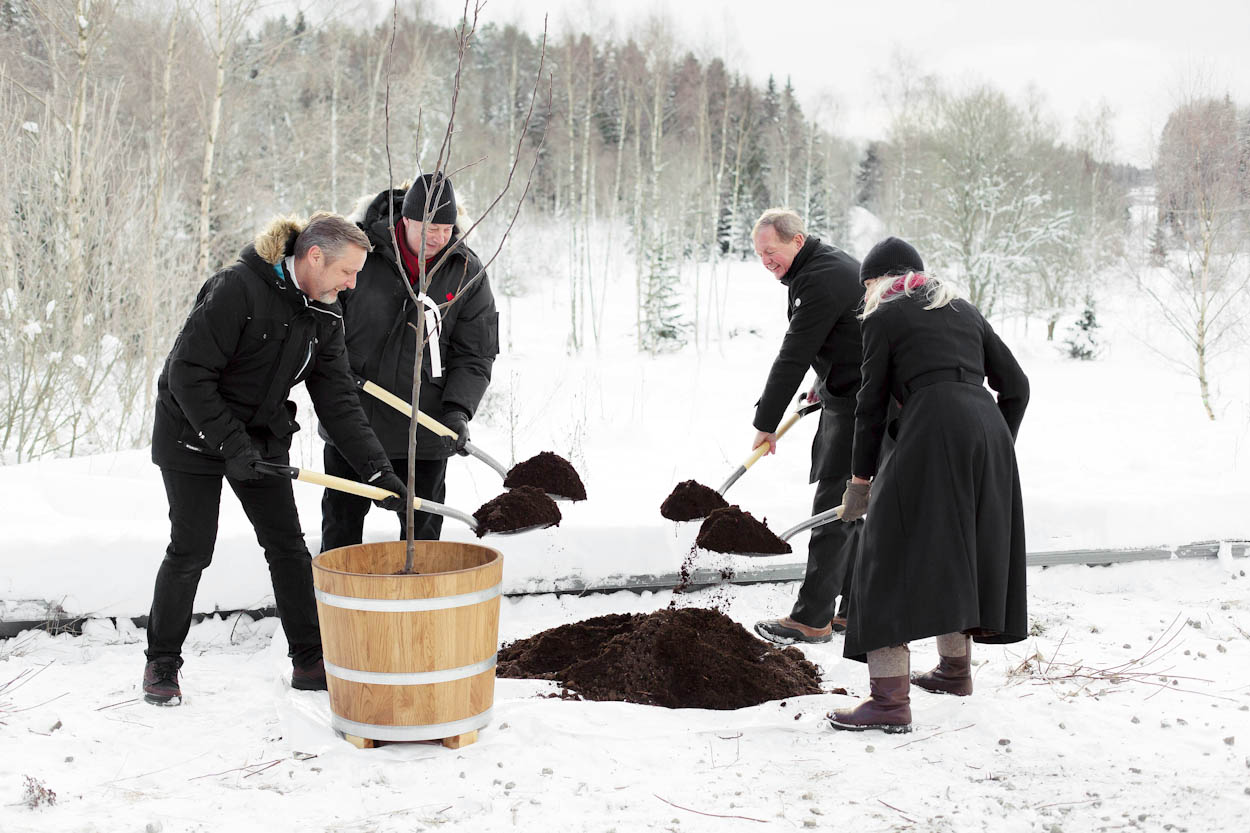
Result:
[824,296]
[379,317]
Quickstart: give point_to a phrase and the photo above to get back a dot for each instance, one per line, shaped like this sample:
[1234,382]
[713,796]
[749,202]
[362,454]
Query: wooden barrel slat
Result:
[413,705]
[378,660]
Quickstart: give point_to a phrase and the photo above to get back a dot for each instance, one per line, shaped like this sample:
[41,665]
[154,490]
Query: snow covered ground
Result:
[1128,710]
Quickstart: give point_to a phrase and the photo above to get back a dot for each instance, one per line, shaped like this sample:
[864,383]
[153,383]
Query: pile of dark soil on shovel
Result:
[690,501]
[689,658]
[732,530]
[549,472]
[523,507]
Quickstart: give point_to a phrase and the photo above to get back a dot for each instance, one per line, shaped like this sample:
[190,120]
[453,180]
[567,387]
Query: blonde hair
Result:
[937,292]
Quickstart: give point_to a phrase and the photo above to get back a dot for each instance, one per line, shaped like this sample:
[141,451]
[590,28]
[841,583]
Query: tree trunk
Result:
[210,143]
[151,308]
[74,195]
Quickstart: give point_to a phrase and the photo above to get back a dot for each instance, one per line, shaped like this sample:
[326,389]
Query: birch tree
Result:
[1204,218]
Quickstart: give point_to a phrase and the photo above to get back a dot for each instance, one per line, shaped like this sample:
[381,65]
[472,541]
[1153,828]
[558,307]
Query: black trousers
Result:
[194,507]
[343,515]
[830,561]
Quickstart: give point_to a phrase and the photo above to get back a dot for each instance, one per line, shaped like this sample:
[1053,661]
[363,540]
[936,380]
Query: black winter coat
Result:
[824,297]
[382,348]
[943,543]
[251,337]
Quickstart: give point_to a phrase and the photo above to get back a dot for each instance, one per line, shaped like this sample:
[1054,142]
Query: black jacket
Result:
[824,298]
[251,337]
[381,347]
[903,341]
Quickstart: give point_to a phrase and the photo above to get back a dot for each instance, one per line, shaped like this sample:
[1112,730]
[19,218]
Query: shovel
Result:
[341,484]
[430,423]
[763,448]
[814,521]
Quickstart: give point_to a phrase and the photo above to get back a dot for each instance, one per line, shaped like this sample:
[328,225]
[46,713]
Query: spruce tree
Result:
[1082,342]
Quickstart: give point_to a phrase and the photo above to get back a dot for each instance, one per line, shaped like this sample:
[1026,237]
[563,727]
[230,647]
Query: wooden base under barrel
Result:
[410,657]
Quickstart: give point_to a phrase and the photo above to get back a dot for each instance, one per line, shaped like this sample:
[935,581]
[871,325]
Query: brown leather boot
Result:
[953,674]
[888,709]
[309,677]
[787,631]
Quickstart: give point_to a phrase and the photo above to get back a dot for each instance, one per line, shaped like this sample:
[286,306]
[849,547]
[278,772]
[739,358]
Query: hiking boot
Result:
[888,709]
[309,677]
[160,682]
[953,675]
[787,632]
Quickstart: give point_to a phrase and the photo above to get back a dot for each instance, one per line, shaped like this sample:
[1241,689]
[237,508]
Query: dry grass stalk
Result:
[1079,678]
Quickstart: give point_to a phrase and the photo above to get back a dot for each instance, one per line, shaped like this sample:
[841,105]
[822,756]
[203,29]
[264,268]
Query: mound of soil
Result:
[731,530]
[524,506]
[690,501]
[690,658]
[549,472]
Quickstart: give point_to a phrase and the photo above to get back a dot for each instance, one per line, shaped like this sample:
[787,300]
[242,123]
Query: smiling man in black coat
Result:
[823,300]
[379,317]
[258,328]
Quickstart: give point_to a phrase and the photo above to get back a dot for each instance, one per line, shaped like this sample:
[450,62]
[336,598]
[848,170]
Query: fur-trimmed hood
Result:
[277,240]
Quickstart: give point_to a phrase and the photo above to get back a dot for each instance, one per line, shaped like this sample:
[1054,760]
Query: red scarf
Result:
[412,261]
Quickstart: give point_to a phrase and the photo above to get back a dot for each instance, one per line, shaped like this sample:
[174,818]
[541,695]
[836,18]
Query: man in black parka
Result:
[379,317]
[824,297]
[258,328]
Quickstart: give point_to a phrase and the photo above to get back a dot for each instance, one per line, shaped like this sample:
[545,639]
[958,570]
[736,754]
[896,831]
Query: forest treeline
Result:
[142,143]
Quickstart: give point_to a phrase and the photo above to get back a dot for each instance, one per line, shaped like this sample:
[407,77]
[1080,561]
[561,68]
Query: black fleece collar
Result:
[800,260]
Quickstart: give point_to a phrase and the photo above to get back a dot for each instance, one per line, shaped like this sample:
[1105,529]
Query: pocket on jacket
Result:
[258,332]
[481,335]
[190,439]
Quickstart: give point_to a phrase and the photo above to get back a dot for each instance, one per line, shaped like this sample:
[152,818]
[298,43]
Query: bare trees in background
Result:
[1203,203]
[73,231]
[142,143]
[1019,218]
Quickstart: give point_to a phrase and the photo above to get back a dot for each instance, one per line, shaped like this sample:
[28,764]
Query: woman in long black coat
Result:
[943,541]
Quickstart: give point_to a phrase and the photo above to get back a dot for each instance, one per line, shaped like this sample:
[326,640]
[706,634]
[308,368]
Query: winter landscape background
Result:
[636,334]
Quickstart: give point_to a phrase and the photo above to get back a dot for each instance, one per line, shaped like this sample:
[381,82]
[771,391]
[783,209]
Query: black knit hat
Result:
[890,257]
[442,206]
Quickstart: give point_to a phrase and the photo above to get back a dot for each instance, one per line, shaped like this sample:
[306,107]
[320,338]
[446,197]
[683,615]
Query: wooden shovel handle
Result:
[423,419]
[781,432]
[342,484]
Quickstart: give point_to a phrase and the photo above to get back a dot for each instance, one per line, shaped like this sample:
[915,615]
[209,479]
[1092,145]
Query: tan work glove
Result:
[854,501]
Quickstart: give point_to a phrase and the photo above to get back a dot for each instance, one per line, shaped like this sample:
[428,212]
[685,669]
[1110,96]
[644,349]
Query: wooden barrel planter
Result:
[410,657]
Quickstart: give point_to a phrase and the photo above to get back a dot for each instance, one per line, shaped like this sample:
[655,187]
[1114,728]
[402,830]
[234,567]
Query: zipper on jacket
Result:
[307,359]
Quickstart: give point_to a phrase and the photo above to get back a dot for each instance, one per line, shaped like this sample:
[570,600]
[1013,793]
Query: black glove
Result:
[457,421]
[240,455]
[855,501]
[387,479]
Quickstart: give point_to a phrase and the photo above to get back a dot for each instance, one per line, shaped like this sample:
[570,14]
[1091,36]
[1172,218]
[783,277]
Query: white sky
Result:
[1139,56]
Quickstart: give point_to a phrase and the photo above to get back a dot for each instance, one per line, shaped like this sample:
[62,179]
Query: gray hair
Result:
[331,233]
[786,222]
